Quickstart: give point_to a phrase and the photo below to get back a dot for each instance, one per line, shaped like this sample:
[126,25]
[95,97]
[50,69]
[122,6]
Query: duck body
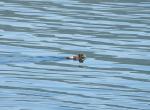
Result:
[73,57]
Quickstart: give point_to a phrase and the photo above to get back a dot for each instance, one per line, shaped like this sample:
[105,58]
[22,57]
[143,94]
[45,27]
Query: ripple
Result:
[36,36]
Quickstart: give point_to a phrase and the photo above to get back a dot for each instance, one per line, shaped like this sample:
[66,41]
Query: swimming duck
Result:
[80,57]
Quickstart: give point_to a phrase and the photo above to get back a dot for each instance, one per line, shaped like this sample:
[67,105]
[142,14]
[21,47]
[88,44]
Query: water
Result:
[35,35]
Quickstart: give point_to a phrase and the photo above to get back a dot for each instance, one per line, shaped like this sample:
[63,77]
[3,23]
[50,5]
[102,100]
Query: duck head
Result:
[81,57]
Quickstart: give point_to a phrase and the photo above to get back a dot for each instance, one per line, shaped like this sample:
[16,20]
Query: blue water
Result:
[37,35]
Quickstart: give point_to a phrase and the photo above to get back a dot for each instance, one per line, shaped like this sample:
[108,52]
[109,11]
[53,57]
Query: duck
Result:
[80,57]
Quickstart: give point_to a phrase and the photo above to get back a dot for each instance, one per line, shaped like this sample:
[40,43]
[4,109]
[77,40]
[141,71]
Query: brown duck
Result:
[80,57]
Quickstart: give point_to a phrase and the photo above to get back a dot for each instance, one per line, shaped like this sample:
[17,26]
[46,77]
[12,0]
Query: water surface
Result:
[35,35]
